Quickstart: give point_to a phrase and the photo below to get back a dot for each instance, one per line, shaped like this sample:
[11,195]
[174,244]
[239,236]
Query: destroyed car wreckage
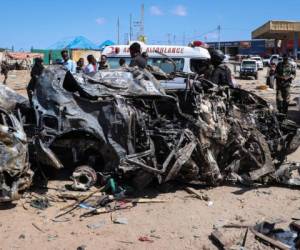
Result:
[120,123]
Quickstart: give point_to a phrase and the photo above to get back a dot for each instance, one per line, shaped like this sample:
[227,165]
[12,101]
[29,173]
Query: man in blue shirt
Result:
[67,62]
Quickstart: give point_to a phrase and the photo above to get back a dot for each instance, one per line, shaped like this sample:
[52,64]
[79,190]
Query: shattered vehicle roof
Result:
[120,122]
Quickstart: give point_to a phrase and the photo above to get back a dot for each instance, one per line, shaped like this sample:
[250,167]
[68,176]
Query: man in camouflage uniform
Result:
[284,73]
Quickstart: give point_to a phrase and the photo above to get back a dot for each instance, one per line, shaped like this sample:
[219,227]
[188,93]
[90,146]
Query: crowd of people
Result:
[216,71]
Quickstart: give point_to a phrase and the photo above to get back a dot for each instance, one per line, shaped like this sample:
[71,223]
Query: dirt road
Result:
[182,222]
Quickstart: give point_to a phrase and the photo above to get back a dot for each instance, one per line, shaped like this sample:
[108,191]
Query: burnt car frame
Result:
[120,123]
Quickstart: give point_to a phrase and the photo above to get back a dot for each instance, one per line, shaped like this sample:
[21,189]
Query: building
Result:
[273,37]
[285,34]
[260,47]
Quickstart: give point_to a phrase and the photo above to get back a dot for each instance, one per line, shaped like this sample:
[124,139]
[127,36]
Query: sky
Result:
[41,23]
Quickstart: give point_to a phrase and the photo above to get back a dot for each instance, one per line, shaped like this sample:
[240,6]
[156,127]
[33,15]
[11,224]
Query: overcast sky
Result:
[41,23]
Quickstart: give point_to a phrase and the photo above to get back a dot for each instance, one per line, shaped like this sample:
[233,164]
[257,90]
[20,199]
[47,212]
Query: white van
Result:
[186,58]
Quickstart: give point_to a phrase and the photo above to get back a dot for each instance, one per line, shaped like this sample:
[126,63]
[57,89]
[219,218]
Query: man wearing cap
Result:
[284,73]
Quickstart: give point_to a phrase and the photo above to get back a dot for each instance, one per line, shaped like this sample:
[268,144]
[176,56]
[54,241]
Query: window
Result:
[249,63]
[199,66]
[163,63]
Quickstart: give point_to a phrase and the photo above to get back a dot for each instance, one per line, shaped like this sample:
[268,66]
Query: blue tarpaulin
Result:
[106,43]
[79,42]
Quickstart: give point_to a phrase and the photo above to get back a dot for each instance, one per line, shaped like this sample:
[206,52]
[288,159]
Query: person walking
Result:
[4,70]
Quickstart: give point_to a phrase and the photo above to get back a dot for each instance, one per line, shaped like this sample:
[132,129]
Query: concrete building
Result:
[260,47]
[285,34]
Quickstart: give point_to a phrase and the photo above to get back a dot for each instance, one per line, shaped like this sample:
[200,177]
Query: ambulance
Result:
[187,58]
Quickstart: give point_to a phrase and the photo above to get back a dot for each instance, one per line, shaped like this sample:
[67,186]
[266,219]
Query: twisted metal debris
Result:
[121,123]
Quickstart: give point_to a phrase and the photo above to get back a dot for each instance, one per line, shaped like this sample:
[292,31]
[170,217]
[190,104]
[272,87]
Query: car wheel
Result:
[256,77]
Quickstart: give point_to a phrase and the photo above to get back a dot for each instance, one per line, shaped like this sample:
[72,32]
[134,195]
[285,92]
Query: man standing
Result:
[36,71]
[68,64]
[284,73]
[92,66]
[219,74]
[122,63]
[137,59]
[103,64]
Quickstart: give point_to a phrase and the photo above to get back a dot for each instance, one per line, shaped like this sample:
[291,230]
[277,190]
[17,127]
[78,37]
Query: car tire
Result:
[256,77]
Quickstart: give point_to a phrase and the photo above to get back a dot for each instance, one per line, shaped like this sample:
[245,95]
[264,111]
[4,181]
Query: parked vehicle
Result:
[292,61]
[186,58]
[259,62]
[277,59]
[266,60]
[249,68]
[227,58]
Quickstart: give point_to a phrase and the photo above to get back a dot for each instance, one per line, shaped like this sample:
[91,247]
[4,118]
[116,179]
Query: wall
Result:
[52,55]
[76,54]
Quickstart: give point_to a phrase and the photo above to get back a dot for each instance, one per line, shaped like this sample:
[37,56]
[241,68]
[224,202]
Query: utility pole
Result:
[118,30]
[130,28]
[169,38]
[142,28]
[126,38]
[219,36]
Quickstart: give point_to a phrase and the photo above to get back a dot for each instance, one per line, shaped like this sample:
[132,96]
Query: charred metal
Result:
[121,123]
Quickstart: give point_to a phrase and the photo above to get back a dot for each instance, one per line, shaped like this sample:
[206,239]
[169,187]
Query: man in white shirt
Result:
[67,62]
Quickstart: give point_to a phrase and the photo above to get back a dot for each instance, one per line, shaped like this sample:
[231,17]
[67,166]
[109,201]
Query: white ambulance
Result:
[186,58]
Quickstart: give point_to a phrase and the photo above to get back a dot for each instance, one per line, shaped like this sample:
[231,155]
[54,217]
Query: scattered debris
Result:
[82,247]
[221,240]
[52,237]
[96,225]
[145,238]
[265,232]
[40,203]
[38,228]
[22,236]
[126,242]
[144,200]
[272,242]
[74,205]
[123,221]
[198,195]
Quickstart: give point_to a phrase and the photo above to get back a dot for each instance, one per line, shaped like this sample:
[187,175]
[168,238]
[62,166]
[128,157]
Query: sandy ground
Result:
[182,222]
